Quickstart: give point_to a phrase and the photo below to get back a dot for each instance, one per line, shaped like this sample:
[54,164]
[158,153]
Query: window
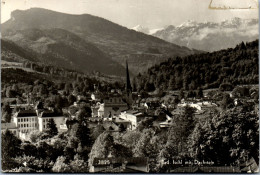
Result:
[18,120]
[27,125]
[18,125]
[21,120]
[32,119]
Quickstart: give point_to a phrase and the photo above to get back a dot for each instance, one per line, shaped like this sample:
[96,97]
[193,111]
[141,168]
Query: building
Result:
[26,121]
[166,124]
[113,105]
[96,96]
[30,120]
[133,116]
[46,116]
[127,124]
[152,105]
[94,109]
[11,127]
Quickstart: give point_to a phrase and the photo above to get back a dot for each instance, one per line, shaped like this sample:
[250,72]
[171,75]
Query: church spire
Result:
[128,83]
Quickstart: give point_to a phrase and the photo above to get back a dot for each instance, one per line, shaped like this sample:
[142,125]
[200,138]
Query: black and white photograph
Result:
[130,86]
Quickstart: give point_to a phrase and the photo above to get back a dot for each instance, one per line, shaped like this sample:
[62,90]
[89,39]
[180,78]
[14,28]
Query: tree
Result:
[229,138]
[188,119]
[121,128]
[52,128]
[227,102]
[131,138]
[146,123]
[99,129]
[6,108]
[171,85]
[10,147]
[148,146]
[102,147]
[169,150]
[71,99]
[7,117]
[79,165]
[67,88]
[60,166]
[83,134]
[10,93]
[15,87]
[149,87]
[134,85]
[226,87]
[200,93]
[34,136]
[84,113]
[181,95]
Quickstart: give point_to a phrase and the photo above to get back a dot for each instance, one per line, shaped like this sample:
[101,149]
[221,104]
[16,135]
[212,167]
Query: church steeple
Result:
[128,83]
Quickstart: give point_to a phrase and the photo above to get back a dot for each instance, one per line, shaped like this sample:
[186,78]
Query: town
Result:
[118,111]
[129,86]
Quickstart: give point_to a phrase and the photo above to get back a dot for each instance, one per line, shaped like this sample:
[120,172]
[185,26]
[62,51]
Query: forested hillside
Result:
[224,69]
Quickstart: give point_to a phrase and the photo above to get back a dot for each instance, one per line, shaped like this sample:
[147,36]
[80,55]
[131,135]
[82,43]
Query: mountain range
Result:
[85,42]
[208,36]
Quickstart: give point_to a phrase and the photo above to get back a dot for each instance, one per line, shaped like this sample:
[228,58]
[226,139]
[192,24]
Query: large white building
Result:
[30,120]
[46,116]
[26,121]
[133,116]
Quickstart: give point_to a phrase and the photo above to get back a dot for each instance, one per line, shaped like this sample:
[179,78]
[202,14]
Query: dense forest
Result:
[221,69]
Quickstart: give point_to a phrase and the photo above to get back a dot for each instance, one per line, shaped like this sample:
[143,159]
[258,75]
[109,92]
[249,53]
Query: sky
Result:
[148,13]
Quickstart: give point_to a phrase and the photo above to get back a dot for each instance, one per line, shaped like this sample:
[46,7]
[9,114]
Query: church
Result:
[115,103]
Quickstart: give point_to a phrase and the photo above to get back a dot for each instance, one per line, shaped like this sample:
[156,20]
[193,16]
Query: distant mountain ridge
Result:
[211,36]
[62,48]
[111,41]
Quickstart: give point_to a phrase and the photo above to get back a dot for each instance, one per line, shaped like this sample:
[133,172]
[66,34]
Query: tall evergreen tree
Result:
[84,135]
[52,129]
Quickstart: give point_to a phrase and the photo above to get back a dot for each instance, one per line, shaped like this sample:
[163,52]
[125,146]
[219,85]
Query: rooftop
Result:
[134,112]
[27,113]
[49,113]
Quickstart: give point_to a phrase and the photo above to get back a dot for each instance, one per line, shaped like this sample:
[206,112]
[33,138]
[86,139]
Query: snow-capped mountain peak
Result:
[140,28]
[211,36]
